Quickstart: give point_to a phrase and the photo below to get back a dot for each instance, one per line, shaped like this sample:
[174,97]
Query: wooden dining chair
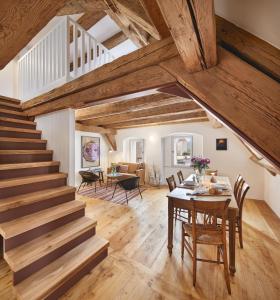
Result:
[240,198]
[238,182]
[205,229]
[171,183]
[180,176]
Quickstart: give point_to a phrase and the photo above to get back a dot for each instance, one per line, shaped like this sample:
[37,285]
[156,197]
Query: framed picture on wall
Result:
[221,144]
[90,151]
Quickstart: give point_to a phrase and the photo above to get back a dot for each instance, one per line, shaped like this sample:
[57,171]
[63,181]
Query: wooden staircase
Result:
[47,240]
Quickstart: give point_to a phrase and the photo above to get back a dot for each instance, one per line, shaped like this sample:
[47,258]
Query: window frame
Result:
[174,153]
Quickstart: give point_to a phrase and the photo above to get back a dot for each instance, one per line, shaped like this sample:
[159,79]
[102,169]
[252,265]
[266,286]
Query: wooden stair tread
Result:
[12,112]
[24,255]
[19,121]
[22,140]
[25,130]
[12,182]
[11,104]
[20,152]
[42,283]
[23,224]
[30,198]
[10,99]
[29,165]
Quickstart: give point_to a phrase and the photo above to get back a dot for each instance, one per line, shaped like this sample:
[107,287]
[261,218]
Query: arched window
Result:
[183,150]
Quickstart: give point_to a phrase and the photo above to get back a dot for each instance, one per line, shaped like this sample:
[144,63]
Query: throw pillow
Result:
[123,168]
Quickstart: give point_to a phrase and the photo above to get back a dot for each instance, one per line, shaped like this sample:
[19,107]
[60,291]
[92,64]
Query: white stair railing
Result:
[66,52]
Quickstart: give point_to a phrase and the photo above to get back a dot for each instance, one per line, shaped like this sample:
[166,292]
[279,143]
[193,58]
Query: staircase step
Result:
[28,169]
[16,123]
[10,106]
[21,205]
[22,185]
[12,114]
[9,100]
[34,255]
[27,228]
[8,143]
[53,280]
[20,156]
[20,132]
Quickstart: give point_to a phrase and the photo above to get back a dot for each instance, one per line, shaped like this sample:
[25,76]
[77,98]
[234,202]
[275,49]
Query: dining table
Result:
[180,198]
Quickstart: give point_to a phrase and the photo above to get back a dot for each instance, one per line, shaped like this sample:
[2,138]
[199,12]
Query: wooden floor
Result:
[139,267]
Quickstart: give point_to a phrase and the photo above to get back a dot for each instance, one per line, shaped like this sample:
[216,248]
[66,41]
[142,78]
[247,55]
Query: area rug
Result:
[106,194]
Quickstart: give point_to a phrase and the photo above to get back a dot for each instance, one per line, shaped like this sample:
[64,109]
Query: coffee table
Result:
[116,177]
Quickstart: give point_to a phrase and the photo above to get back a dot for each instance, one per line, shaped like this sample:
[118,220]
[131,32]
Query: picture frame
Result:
[221,144]
[90,151]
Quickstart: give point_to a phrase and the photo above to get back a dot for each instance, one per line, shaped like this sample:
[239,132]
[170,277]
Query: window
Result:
[183,150]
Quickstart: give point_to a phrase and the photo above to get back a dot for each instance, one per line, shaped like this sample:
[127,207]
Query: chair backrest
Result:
[205,216]
[238,183]
[171,183]
[241,194]
[130,183]
[180,176]
[88,176]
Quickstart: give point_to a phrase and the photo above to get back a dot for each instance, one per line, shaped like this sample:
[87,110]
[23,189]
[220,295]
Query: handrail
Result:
[64,53]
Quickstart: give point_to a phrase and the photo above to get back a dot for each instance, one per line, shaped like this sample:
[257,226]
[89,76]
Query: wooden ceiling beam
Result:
[111,140]
[136,13]
[81,6]
[248,47]
[159,119]
[90,18]
[239,95]
[129,105]
[153,11]
[96,129]
[164,110]
[115,40]
[20,21]
[192,26]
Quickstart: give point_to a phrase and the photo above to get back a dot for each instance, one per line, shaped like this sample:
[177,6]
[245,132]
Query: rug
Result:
[106,194]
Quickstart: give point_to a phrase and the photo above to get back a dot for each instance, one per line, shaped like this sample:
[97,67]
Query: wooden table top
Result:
[184,193]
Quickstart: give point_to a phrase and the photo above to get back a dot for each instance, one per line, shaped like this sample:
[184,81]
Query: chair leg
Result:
[114,191]
[226,271]
[80,186]
[194,263]
[240,233]
[126,197]
[218,254]
[182,242]
[95,186]
[140,192]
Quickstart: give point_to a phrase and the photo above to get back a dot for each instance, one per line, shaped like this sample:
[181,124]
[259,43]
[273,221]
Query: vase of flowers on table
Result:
[199,165]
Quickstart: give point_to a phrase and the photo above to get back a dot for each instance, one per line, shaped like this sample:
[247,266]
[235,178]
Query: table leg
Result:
[170,225]
[232,224]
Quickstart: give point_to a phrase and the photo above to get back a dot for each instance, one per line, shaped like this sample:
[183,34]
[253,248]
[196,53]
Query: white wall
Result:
[104,153]
[260,17]
[272,191]
[231,162]
[59,129]
[8,80]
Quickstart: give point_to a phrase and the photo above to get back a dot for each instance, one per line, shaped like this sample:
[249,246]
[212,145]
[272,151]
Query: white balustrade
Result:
[66,52]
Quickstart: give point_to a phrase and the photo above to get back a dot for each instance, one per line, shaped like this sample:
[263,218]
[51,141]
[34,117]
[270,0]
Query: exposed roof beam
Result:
[160,119]
[136,13]
[111,140]
[80,6]
[165,110]
[20,21]
[123,106]
[115,40]
[153,11]
[90,18]
[96,129]
[250,48]
[192,26]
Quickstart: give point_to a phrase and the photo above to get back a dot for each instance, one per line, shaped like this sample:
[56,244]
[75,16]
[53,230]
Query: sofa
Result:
[136,169]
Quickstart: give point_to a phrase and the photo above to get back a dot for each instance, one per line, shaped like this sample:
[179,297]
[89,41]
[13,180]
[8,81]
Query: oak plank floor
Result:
[139,267]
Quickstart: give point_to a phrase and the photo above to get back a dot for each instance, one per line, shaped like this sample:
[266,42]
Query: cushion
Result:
[123,168]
